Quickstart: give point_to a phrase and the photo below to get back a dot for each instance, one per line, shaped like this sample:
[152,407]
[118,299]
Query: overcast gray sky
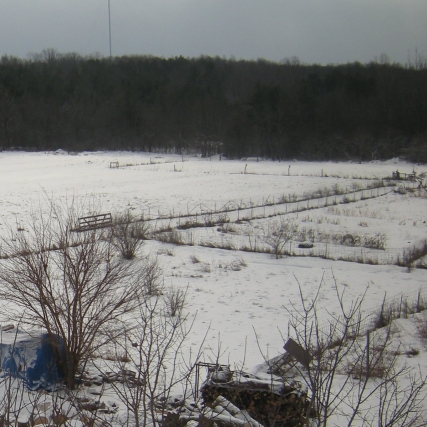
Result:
[317,31]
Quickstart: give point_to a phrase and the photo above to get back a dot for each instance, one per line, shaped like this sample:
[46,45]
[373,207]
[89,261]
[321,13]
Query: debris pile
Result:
[268,399]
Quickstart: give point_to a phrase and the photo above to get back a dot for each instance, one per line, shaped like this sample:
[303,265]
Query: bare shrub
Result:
[163,228]
[175,301]
[154,346]
[235,264]
[238,263]
[370,368]
[378,241]
[151,278]
[174,237]
[222,218]
[209,220]
[336,189]
[128,234]
[278,232]
[325,192]
[356,186]
[189,223]
[228,245]
[77,293]
[306,234]
[205,267]
[374,360]
[228,228]
[166,251]
[194,259]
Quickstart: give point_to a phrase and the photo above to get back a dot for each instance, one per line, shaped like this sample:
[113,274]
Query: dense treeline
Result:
[239,108]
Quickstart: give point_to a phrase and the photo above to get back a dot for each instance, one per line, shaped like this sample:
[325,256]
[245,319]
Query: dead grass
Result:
[173,237]
[194,259]
[410,255]
[166,251]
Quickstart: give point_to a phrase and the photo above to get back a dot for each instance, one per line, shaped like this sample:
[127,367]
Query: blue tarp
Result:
[31,359]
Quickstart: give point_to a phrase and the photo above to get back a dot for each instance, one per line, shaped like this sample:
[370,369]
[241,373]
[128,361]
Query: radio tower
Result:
[109,26]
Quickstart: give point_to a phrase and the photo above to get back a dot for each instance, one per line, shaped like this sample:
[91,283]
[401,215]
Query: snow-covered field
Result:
[234,305]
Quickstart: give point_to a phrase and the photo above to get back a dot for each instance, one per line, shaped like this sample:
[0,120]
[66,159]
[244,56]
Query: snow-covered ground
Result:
[233,305]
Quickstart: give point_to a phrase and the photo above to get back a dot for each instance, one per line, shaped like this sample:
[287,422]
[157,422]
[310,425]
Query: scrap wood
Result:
[228,419]
[227,408]
[222,401]
[221,410]
[244,415]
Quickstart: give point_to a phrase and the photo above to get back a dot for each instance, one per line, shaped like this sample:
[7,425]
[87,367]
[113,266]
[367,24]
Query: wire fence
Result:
[196,227]
[267,207]
[211,237]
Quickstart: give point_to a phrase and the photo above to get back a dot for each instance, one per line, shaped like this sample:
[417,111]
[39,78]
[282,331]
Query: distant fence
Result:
[267,207]
[210,237]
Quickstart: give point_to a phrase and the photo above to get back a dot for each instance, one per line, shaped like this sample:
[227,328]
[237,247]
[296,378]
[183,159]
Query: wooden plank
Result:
[297,352]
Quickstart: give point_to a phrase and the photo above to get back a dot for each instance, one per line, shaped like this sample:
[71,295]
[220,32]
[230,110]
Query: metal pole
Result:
[109,26]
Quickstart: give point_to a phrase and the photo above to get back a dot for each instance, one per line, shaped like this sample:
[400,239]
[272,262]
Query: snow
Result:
[237,299]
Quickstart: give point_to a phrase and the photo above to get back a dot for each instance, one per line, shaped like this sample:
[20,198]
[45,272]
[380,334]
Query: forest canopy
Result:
[213,105]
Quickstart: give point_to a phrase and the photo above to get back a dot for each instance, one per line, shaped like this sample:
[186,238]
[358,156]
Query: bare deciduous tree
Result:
[72,285]
[128,234]
[153,348]
[351,366]
[278,233]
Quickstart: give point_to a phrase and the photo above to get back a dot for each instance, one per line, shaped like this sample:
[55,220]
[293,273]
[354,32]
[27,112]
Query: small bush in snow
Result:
[175,301]
[128,234]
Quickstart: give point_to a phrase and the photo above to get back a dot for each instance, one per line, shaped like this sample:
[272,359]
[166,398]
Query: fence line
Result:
[268,207]
[209,237]
[205,236]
